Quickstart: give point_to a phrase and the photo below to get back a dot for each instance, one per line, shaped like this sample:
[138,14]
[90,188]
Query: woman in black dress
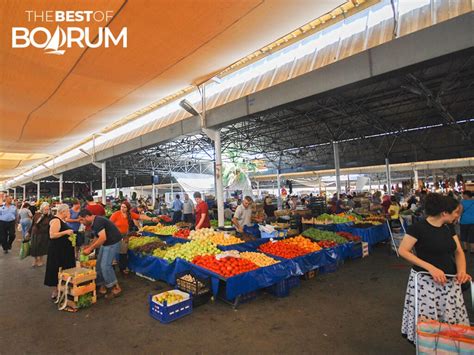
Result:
[60,250]
[39,232]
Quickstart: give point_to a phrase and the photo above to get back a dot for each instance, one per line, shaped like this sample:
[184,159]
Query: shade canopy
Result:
[49,102]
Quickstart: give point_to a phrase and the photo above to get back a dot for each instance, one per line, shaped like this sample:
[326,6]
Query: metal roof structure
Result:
[416,114]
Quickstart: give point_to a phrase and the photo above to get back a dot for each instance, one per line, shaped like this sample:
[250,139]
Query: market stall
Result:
[237,268]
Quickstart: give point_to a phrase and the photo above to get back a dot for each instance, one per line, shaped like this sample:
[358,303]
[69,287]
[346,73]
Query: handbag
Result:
[25,249]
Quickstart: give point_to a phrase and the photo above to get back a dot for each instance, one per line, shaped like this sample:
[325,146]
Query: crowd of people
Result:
[48,234]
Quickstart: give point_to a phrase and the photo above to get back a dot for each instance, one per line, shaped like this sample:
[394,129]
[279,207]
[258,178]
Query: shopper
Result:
[467,221]
[8,217]
[438,252]
[202,212]
[60,249]
[269,208]
[33,208]
[40,234]
[243,215]
[126,222]
[188,209]
[177,210]
[74,224]
[25,216]
[108,239]
[386,203]
[350,202]
[394,213]
[94,207]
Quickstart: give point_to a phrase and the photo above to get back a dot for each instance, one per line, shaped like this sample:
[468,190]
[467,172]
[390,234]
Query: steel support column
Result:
[389,178]
[61,188]
[104,182]
[337,167]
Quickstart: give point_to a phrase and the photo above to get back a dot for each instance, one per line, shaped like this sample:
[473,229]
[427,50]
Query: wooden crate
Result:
[90,264]
[79,275]
[75,290]
[73,302]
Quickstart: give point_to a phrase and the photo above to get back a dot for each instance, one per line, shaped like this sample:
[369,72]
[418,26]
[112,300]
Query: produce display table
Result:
[156,268]
[339,227]
[247,282]
[168,239]
[372,235]
[247,246]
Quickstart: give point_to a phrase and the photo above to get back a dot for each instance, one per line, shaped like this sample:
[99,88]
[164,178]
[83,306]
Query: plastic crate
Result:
[293,282]
[280,289]
[328,268]
[166,314]
[356,251]
[200,289]
[273,234]
[246,297]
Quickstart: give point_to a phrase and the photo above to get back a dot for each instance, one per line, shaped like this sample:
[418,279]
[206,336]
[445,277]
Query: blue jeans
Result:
[25,227]
[105,271]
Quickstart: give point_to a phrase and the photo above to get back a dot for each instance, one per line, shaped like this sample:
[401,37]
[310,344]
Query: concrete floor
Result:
[356,310]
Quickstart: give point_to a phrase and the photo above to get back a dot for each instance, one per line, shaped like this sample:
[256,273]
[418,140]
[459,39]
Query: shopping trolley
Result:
[396,237]
[434,337]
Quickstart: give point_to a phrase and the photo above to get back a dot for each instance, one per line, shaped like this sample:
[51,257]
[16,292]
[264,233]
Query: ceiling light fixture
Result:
[188,107]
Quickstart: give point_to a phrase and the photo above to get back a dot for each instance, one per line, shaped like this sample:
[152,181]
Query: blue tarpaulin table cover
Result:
[249,281]
[156,268]
[160,269]
[372,235]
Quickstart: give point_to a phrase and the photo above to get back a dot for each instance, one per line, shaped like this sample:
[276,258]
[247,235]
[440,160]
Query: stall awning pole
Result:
[24,192]
[38,187]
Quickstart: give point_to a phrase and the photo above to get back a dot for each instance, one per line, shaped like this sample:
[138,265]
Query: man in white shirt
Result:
[243,215]
[188,209]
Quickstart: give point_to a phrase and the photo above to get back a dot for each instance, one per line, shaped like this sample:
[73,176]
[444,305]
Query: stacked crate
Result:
[81,282]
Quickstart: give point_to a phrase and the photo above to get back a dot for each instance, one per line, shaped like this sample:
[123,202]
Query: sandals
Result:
[111,295]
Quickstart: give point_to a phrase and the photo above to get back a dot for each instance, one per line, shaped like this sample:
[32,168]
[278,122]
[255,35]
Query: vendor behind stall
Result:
[243,215]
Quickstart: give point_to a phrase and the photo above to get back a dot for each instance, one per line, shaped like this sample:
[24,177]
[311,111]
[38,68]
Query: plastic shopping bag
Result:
[441,338]
[25,249]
